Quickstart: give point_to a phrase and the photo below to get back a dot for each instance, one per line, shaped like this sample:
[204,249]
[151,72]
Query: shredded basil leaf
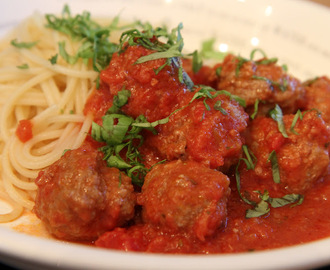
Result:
[297,116]
[262,208]
[119,101]
[197,61]
[23,45]
[218,71]
[217,106]
[250,165]
[277,115]
[285,200]
[122,135]
[282,86]
[255,112]
[23,66]
[95,44]
[53,59]
[275,168]
[166,45]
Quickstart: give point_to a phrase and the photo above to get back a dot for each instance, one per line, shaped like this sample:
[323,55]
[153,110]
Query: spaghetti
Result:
[50,95]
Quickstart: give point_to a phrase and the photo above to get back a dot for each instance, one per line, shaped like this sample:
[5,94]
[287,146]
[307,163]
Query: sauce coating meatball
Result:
[254,80]
[185,196]
[302,157]
[79,198]
[153,94]
[208,135]
[318,96]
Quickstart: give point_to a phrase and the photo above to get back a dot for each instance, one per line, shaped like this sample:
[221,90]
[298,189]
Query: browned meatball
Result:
[255,80]
[210,136]
[303,157]
[79,198]
[318,96]
[185,196]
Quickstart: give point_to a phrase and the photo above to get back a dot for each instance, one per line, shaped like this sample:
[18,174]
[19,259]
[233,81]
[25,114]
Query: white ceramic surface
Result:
[294,31]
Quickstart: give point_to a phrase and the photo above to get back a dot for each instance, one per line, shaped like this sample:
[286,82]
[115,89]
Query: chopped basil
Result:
[285,68]
[169,48]
[23,66]
[264,61]
[262,207]
[275,168]
[255,112]
[53,59]
[218,71]
[217,106]
[297,116]
[23,45]
[240,100]
[282,86]
[277,115]
[68,58]
[197,61]
[254,51]
[250,158]
[208,51]
[241,62]
[119,131]
[209,92]
[285,200]
[250,164]
[171,52]
[119,101]
[95,44]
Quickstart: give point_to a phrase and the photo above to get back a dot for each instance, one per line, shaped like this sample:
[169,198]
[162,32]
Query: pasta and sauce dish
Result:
[113,136]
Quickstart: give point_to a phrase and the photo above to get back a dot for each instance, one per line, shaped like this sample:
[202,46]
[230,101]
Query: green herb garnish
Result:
[277,115]
[23,45]
[275,168]
[95,44]
[23,66]
[165,44]
[263,206]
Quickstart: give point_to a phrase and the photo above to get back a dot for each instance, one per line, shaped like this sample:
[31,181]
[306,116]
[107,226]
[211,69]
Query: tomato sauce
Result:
[186,209]
[282,227]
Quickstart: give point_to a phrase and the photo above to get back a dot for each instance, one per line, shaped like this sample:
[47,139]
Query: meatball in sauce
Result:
[185,196]
[79,197]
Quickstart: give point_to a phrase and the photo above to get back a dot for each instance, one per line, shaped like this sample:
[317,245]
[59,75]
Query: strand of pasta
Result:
[8,106]
[13,214]
[52,96]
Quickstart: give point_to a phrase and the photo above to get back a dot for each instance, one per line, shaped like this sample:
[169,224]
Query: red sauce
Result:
[24,130]
[213,139]
[282,227]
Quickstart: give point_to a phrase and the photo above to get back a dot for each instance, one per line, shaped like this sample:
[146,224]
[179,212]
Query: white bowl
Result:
[293,31]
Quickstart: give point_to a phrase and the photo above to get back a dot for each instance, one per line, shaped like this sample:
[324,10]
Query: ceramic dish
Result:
[293,31]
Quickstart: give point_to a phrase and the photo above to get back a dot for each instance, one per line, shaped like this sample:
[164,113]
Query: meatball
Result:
[302,157]
[153,94]
[79,198]
[256,80]
[185,196]
[200,77]
[318,96]
[208,134]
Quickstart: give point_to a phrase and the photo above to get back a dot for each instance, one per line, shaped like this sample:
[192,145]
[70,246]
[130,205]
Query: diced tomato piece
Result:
[24,130]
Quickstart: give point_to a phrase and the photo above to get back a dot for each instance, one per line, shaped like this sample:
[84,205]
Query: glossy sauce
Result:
[214,140]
